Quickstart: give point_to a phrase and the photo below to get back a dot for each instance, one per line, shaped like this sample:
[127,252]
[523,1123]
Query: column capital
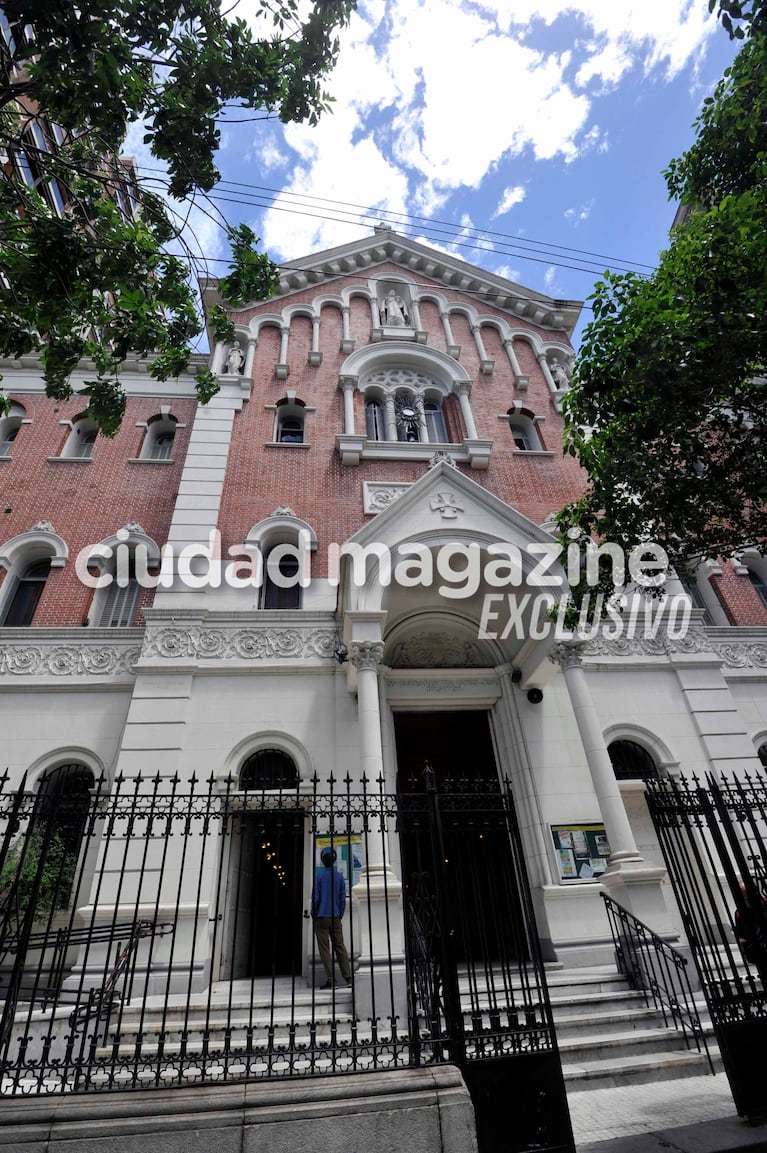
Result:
[366,654]
[462,388]
[348,383]
[567,654]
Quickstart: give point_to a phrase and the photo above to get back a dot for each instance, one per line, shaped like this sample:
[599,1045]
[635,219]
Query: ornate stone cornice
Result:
[366,654]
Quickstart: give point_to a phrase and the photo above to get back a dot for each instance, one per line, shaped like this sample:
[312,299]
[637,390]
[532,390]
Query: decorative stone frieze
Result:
[436,650]
[378,495]
[260,643]
[57,660]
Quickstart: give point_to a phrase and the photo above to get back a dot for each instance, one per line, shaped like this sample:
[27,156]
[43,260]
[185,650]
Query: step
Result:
[643,1069]
[594,1047]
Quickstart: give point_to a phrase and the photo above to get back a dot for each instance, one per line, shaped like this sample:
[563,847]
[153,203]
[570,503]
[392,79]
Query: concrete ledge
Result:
[421,1110]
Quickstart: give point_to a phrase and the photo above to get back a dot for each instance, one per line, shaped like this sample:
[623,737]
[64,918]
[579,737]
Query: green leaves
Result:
[91,281]
[253,276]
[667,410]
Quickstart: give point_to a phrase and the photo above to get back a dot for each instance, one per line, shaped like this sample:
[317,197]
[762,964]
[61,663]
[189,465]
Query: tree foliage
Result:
[81,277]
[667,412]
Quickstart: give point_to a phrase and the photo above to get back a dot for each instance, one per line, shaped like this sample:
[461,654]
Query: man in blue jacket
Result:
[328,907]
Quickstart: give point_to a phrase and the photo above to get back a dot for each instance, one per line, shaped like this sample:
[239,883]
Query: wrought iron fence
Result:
[159,932]
[172,942]
[713,835]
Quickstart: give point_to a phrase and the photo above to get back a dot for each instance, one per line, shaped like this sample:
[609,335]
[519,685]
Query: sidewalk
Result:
[688,1115]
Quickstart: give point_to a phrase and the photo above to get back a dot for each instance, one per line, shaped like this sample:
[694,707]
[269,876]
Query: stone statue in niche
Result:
[393,310]
[559,373]
[235,361]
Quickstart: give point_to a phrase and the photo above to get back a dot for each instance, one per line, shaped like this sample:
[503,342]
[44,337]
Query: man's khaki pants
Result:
[327,928]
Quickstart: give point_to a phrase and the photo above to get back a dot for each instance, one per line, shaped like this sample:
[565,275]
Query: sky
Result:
[507,132]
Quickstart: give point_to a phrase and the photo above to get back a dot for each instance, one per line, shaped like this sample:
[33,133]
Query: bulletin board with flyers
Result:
[581,851]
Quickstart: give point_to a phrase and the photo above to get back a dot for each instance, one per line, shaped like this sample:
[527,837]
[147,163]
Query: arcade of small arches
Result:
[554,356]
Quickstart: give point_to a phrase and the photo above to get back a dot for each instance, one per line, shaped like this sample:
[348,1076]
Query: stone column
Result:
[348,384]
[284,334]
[445,318]
[217,360]
[315,334]
[345,321]
[546,371]
[629,879]
[390,416]
[477,334]
[250,356]
[463,390]
[377,896]
[423,432]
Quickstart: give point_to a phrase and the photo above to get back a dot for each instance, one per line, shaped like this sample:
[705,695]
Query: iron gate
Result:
[714,841]
[475,969]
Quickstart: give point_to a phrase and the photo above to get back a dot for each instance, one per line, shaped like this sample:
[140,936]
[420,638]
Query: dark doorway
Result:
[481,898]
[266,894]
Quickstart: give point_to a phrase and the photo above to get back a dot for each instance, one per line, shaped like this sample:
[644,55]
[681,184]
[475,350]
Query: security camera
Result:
[535,696]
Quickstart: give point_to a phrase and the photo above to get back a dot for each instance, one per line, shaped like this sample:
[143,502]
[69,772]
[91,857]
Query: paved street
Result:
[601,1114]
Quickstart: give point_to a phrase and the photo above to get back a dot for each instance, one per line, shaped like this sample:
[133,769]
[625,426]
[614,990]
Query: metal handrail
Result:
[657,970]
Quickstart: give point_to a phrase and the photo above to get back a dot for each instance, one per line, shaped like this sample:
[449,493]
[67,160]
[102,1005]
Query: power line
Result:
[433,222]
[438,230]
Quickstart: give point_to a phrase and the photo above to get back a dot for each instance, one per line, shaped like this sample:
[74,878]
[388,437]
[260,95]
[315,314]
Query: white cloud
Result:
[512,195]
[578,215]
[433,95]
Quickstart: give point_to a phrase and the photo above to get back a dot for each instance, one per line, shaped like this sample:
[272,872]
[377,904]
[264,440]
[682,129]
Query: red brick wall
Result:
[86,502]
[738,597]
[327,494]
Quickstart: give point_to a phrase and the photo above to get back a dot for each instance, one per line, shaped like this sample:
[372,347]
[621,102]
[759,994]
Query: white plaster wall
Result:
[314,709]
[36,725]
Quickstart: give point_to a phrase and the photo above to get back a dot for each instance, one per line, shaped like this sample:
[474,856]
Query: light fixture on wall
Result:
[341,653]
[535,696]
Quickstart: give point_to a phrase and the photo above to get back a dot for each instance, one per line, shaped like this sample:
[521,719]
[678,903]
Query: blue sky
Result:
[544,120]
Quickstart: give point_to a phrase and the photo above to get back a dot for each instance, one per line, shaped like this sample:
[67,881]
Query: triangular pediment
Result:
[446,504]
[447,271]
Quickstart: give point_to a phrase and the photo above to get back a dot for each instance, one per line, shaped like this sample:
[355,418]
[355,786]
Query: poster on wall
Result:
[581,851]
[348,852]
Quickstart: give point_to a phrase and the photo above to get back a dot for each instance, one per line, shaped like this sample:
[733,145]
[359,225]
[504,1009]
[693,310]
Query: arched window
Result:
[269,769]
[158,442]
[118,606]
[631,762]
[374,420]
[281,588]
[26,595]
[291,416]
[9,428]
[42,864]
[524,432]
[436,430]
[80,442]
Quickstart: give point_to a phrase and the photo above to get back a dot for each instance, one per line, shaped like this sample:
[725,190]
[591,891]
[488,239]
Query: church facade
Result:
[342,568]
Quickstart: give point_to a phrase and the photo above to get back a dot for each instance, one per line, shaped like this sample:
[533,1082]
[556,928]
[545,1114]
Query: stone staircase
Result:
[606,1033]
[608,1036]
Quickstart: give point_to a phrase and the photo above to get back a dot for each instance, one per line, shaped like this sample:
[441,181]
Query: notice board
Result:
[581,850]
